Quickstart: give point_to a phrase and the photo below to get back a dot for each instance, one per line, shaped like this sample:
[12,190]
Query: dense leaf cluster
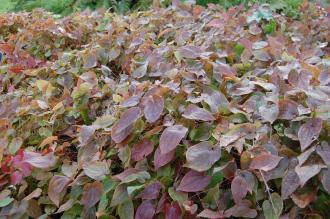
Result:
[181,112]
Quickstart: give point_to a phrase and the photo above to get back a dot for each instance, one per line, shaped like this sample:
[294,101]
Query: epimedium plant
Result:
[178,112]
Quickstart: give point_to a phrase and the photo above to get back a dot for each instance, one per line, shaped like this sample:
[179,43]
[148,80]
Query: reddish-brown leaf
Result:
[162,159]
[55,188]
[124,126]
[91,194]
[142,149]
[194,182]
[196,113]
[172,211]
[171,137]
[239,188]
[265,162]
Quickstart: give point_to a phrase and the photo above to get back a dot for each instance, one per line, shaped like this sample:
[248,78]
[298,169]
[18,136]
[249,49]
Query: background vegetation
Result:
[65,7]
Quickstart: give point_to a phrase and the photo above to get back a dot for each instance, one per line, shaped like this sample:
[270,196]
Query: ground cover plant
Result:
[179,112]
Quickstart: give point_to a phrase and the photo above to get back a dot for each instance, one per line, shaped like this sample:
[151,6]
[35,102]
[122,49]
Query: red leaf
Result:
[309,131]
[171,137]
[16,69]
[162,159]
[55,188]
[239,188]
[124,126]
[145,211]
[153,108]
[92,194]
[196,113]
[142,149]
[172,211]
[194,182]
[265,162]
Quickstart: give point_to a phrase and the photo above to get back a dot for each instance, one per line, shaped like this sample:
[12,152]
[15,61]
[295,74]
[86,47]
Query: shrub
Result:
[177,112]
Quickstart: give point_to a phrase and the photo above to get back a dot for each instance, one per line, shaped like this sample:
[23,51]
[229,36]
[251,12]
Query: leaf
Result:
[309,131]
[6,201]
[124,126]
[151,191]
[56,186]
[86,134]
[91,194]
[96,169]
[202,156]
[132,174]
[171,137]
[288,109]
[153,108]
[189,52]
[89,60]
[172,211]
[323,151]
[307,172]
[162,159]
[142,149]
[261,55]
[325,179]
[265,162]
[15,144]
[140,71]
[273,209]
[196,113]
[48,140]
[145,211]
[194,182]
[241,210]
[40,161]
[119,196]
[126,210]
[177,195]
[239,188]
[290,183]
[304,196]
[207,213]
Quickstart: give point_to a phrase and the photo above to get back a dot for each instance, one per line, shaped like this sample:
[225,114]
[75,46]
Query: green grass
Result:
[6,5]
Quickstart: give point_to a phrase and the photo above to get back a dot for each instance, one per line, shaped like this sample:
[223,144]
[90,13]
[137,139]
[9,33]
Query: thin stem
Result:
[268,190]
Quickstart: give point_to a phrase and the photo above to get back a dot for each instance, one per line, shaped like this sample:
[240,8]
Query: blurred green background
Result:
[65,7]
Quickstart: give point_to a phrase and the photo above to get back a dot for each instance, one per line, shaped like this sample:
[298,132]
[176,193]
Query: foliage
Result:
[64,7]
[178,112]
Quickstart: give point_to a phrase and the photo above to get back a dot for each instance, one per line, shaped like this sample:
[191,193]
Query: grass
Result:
[6,5]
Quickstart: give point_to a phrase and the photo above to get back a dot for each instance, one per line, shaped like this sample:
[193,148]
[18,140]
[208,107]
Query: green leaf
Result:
[126,210]
[177,196]
[15,144]
[132,189]
[270,27]
[6,201]
[273,210]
